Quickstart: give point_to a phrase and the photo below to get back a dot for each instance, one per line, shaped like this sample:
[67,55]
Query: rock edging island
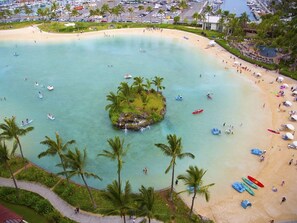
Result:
[138,105]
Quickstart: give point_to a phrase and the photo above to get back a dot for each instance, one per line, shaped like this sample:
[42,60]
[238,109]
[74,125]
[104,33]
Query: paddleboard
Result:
[248,189]
[273,131]
[250,183]
[255,181]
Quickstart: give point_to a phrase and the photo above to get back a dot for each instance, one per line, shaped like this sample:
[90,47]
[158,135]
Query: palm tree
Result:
[244,19]
[208,10]
[105,10]
[161,12]
[138,83]
[140,8]
[17,11]
[56,147]
[173,150]
[115,102]
[76,163]
[120,9]
[146,202]
[27,10]
[196,16]
[12,131]
[120,200]
[125,92]
[5,156]
[118,151]
[68,10]
[148,84]
[74,12]
[193,179]
[157,81]
[131,10]
[149,9]
[144,99]
[182,6]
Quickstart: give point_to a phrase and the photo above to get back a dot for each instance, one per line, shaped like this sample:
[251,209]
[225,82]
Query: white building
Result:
[211,22]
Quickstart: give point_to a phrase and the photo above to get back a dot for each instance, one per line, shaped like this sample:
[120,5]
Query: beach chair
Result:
[245,204]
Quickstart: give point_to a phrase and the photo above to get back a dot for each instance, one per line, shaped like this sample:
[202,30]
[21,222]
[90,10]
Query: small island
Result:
[138,105]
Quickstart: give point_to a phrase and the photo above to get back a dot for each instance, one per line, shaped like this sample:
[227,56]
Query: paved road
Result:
[60,205]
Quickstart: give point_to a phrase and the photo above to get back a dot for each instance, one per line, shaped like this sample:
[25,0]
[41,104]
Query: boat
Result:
[257,152]
[238,187]
[127,76]
[250,183]
[209,96]
[16,54]
[26,122]
[248,189]
[273,131]
[255,181]
[215,131]
[197,111]
[40,95]
[50,87]
[179,98]
[51,117]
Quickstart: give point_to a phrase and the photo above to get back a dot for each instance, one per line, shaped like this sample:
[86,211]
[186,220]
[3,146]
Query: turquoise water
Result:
[81,76]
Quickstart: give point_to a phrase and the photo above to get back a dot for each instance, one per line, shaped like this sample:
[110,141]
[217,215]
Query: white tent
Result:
[290,127]
[288,103]
[212,43]
[289,135]
[258,74]
[279,79]
[294,117]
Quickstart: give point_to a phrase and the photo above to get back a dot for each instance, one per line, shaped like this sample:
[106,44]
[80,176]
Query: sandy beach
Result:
[266,205]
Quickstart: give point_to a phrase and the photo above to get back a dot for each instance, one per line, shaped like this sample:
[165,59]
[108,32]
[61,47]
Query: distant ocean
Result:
[238,7]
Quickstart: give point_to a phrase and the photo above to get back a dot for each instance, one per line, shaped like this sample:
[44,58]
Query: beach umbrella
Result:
[290,127]
[289,135]
[294,143]
[294,93]
[258,74]
[236,63]
[294,117]
[288,103]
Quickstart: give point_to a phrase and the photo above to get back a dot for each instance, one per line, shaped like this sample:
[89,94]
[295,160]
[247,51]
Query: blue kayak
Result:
[238,186]
[257,152]
[215,131]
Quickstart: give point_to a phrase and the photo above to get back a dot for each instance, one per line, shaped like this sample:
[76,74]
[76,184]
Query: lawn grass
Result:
[27,213]
[15,163]
[35,202]
[17,25]
[36,174]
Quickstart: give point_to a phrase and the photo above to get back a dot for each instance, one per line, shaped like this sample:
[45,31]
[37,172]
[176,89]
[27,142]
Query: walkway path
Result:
[60,205]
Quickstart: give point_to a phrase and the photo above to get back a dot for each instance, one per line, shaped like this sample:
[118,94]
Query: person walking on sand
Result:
[283,199]
[283,183]
[291,161]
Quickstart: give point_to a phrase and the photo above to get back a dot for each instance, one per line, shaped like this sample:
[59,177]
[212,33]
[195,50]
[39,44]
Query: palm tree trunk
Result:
[91,196]
[124,218]
[119,178]
[21,150]
[193,200]
[64,168]
[172,180]
[13,178]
